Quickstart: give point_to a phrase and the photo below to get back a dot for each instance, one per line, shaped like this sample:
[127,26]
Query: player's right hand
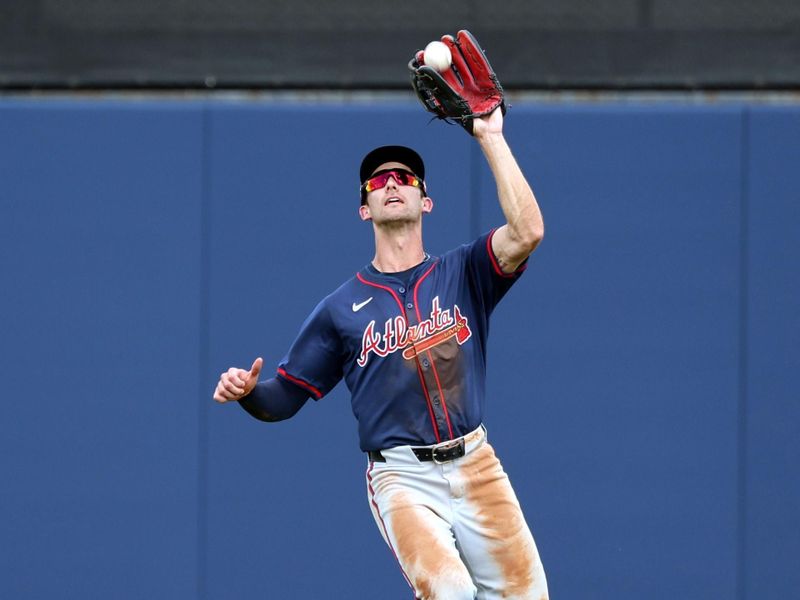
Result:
[235,384]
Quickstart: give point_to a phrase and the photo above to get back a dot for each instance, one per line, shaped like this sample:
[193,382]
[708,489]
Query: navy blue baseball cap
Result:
[385,154]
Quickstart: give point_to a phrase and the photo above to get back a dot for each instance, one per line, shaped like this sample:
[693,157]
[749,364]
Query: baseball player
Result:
[408,334]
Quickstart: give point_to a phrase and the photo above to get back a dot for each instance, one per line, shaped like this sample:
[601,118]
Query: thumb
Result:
[256,368]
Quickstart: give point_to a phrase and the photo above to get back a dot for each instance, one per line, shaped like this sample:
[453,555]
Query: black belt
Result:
[438,454]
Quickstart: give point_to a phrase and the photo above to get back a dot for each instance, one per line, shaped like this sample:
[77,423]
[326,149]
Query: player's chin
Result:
[398,218]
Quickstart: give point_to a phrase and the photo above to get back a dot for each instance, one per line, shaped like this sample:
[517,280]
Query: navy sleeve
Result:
[486,277]
[315,362]
[274,400]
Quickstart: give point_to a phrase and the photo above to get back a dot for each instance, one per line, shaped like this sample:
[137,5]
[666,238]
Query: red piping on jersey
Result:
[306,386]
[428,400]
[383,524]
[493,258]
[388,289]
[441,393]
[430,356]
[419,369]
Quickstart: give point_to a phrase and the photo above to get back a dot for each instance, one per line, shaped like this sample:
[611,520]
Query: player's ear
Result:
[363,212]
[427,204]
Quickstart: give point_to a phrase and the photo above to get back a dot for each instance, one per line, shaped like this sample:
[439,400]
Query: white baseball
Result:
[437,56]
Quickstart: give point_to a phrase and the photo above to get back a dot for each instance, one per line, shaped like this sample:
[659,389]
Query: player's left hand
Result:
[463,93]
[488,124]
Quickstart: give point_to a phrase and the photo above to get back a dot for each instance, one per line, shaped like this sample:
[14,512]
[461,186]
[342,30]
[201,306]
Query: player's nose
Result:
[392,182]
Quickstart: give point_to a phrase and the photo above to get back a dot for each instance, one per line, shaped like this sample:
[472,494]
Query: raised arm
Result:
[524,229]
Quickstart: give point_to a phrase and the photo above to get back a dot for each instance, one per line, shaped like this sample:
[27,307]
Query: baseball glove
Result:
[468,89]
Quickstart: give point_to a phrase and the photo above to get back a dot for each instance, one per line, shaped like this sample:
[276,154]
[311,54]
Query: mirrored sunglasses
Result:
[381,178]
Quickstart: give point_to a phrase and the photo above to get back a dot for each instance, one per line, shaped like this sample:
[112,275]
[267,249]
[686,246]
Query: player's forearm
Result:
[274,400]
[525,223]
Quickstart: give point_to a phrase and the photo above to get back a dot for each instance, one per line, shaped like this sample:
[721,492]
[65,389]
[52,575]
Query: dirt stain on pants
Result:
[458,531]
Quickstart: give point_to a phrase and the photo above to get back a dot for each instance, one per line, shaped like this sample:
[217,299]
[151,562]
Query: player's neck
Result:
[397,251]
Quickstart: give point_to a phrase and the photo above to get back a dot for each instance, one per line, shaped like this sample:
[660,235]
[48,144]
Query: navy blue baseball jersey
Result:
[412,353]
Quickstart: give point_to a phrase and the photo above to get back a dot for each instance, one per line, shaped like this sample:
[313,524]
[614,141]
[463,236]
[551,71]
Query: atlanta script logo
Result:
[414,339]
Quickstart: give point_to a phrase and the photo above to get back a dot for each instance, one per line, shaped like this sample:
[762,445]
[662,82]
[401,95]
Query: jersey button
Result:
[425,363]
[402,290]
[409,305]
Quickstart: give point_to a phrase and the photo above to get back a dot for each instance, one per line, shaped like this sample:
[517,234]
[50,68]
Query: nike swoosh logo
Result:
[360,305]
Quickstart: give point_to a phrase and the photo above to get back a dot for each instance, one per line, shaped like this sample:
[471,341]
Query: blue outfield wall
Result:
[643,374]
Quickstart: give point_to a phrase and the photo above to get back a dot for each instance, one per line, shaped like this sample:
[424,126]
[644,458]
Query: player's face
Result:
[397,201]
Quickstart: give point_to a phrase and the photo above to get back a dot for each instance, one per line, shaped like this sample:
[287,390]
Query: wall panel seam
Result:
[741,538]
[203,353]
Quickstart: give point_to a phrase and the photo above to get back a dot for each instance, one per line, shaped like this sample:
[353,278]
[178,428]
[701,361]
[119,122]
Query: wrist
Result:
[494,146]
[490,138]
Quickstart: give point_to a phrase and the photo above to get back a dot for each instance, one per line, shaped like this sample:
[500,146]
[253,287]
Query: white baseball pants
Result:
[456,528]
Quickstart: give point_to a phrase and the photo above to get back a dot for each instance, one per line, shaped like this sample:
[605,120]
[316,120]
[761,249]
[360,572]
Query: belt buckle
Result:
[448,451]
